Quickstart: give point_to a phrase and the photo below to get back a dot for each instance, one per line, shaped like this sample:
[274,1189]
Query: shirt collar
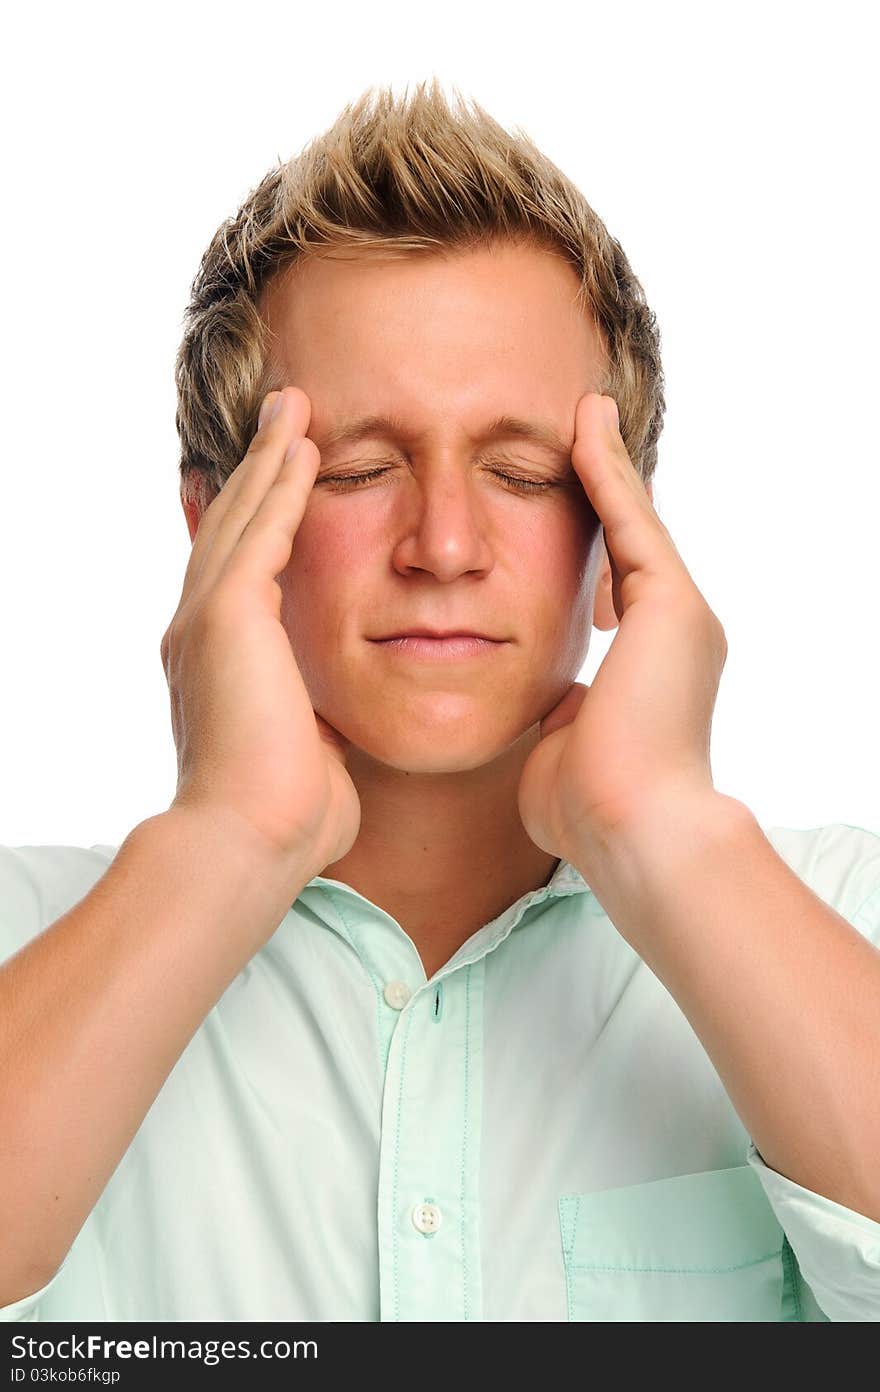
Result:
[335,903]
[564,880]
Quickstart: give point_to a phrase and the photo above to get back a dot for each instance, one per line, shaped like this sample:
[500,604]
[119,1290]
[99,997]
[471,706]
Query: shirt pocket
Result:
[704,1246]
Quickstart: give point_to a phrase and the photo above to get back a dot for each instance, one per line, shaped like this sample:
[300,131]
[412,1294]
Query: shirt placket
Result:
[428,1201]
[430,1045]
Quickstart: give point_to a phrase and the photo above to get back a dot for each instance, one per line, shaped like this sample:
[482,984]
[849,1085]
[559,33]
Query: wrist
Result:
[220,836]
[661,834]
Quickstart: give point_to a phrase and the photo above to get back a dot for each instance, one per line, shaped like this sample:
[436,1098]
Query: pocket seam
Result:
[568,1237]
[790,1273]
[677,1270]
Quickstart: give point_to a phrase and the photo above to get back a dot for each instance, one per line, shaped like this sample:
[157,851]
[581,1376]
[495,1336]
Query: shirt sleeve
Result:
[841,863]
[40,883]
[837,1249]
[37,885]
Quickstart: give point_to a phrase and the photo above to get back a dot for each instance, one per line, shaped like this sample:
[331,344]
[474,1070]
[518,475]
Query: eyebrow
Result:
[502,428]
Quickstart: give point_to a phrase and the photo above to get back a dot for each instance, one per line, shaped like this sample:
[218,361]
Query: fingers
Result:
[226,518]
[263,548]
[635,537]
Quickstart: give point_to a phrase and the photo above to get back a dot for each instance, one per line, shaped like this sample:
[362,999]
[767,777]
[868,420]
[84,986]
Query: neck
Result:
[442,853]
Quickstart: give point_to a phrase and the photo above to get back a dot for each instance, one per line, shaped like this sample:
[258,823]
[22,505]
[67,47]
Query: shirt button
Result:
[396,994]
[427,1218]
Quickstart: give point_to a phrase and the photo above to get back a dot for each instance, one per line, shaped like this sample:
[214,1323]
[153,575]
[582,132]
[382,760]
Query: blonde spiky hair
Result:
[396,177]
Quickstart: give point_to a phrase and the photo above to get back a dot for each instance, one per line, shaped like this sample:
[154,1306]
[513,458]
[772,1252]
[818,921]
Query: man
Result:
[445,988]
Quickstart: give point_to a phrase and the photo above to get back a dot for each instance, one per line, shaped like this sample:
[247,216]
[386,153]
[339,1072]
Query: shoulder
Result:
[840,863]
[40,883]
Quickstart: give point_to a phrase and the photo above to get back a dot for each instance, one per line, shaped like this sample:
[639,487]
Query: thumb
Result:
[564,712]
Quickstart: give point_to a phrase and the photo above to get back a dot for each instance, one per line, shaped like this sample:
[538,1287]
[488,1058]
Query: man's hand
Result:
[638,737]
[250,745]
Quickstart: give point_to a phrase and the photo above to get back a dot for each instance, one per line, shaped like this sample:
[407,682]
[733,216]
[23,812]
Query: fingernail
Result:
[269,409]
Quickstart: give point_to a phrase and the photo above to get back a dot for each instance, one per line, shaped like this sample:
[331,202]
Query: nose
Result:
[443,525]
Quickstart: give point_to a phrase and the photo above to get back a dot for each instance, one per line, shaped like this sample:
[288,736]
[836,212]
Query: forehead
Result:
[464,336]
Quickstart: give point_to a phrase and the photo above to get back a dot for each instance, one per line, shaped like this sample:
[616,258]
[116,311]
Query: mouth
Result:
[445,647]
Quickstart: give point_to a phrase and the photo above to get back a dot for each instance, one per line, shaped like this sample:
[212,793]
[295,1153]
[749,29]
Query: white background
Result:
[732,151]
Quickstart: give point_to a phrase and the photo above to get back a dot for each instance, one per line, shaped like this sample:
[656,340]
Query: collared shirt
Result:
[536,1133]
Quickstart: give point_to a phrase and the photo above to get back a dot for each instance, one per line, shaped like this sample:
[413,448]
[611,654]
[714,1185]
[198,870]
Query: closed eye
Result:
[514,482]
[342,480]
[511,480]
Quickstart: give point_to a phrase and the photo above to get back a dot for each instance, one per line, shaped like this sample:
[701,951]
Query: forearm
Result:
[783,993]
[96,1010]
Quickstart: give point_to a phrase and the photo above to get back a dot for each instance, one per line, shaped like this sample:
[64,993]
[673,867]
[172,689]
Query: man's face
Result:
[440,539]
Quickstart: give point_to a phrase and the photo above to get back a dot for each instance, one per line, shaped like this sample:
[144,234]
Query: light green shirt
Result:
[535,1134]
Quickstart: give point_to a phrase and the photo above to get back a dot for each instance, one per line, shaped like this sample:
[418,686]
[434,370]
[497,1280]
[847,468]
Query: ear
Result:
[604,616]
[194,501]
[193,514]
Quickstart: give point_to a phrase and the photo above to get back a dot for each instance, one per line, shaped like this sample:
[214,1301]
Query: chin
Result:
[428,761]
[442,746]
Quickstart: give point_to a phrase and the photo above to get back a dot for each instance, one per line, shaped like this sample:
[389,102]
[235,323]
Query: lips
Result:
[436,633]
[431,649]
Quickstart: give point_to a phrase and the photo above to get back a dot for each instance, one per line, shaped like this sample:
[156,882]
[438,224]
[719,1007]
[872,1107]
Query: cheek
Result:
[563,556]
[321,571]
[324,570]
[565,567]
[324,546]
